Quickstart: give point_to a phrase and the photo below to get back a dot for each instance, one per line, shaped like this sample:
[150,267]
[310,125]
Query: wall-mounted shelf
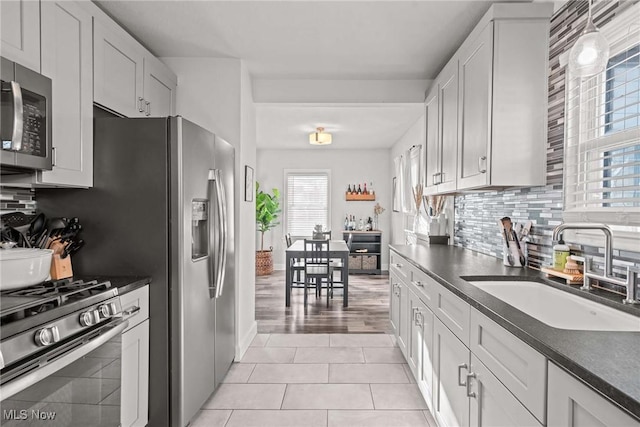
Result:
[359,197]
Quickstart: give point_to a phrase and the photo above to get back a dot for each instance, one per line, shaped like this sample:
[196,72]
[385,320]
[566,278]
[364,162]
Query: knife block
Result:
[60,267]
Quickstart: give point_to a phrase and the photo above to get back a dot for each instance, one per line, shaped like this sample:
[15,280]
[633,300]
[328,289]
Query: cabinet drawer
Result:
[135,306]
[453,312]
[400,266]
[424,286]
[519,367]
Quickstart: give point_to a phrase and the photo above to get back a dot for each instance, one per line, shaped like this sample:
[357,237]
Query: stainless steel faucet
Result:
[633,273]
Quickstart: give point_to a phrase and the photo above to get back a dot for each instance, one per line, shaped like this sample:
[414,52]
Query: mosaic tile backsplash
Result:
[17,200]
[476,214]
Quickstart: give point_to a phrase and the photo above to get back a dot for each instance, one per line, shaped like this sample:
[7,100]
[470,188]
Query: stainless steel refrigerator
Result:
[162,205]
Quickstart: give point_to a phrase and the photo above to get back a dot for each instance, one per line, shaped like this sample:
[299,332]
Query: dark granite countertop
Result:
[607,361]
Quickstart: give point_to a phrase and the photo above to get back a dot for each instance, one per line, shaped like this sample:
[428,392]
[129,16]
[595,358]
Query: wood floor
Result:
[368,310]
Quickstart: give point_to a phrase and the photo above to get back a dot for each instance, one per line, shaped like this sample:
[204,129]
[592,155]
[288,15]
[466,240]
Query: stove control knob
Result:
[105,311]
[47,336]
[87,319]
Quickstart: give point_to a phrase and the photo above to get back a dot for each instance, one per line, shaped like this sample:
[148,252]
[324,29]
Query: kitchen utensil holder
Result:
[61,267]
[512,249]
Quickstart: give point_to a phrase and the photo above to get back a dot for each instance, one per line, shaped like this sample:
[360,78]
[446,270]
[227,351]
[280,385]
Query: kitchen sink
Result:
[559,309]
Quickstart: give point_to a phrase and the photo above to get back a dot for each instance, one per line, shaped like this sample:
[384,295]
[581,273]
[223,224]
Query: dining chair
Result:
[317,266]
[337,263]
[322,235]
[297,266]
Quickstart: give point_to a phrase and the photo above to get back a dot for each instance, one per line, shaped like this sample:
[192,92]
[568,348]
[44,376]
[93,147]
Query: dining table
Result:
[338,249]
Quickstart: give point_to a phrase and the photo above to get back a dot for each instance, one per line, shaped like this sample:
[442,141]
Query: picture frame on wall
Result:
[396,196]
[248,184]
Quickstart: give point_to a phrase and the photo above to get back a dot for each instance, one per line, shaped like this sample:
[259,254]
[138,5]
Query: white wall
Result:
[347,167]
[216,94]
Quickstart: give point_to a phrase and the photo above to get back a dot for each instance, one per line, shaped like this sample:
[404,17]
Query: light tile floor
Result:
[324,380]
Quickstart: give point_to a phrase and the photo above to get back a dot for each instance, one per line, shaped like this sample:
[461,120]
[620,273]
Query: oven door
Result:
[76,385]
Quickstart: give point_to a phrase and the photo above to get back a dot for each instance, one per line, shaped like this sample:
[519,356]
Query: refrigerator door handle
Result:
[222,215]
[213,250]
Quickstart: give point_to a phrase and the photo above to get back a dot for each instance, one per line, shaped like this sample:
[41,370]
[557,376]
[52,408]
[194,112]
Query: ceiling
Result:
[312,40]
[356,127]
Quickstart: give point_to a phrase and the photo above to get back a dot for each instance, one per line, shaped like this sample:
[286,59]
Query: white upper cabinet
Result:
[20,32]
[127,78]
[475,106]
[442,131]
[487,110]
[118,69]
[66,59]
[503,99]
[159,89]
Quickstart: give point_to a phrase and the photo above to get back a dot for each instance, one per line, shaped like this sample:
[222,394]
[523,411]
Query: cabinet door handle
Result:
[434,179]
[54,157]
[148,108]
[482,159]
[470,393]
[419,284]
[131,311]
[460,368]
[140,107]
[397,265]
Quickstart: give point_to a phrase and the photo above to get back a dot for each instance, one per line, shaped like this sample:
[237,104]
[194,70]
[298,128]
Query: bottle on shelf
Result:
[365,189]
[346,222]
[349,189]
[371,188]
[359,189]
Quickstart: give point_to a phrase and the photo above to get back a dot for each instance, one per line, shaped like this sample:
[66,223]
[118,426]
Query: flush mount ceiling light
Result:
[590,53]
[320,137]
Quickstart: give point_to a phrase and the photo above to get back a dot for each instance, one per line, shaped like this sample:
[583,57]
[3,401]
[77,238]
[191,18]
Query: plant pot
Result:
[264,263]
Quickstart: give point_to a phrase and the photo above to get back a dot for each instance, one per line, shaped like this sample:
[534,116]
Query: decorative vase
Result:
[264,262]
[374,225]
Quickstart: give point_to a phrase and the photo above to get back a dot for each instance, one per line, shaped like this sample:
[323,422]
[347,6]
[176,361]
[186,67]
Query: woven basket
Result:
[264,263]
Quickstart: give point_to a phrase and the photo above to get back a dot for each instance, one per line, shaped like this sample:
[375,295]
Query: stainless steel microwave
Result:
[25,119]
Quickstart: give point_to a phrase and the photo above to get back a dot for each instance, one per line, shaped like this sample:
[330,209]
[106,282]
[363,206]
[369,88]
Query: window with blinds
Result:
[307,201]
[602,159]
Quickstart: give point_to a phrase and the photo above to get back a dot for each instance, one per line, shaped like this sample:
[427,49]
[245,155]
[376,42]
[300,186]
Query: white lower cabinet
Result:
[473,372]
[491,404]
[134,393]
[571,403]
[450,369]
[394,303]
[135,376]
[420,345]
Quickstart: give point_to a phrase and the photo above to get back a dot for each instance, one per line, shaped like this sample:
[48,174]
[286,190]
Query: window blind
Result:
[602,159]
[307,202]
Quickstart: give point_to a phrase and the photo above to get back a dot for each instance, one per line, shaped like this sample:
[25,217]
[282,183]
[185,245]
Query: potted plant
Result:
[267,211]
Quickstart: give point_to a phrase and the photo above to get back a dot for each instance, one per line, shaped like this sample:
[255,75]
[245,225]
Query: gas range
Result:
[43,322]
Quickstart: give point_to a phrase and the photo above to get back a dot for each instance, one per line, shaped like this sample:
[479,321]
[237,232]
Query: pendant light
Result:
[320,137]
[590,53]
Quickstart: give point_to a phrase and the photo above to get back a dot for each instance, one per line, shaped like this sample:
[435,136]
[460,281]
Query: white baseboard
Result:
[243,345]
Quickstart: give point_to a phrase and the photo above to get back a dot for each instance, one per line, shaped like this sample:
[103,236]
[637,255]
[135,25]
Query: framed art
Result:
[248,184]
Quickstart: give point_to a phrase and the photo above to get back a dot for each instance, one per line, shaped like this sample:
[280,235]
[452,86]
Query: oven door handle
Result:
[23,382]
